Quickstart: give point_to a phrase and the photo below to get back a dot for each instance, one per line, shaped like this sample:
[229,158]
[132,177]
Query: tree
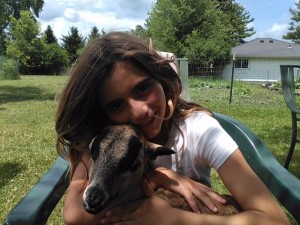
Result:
[49,35]
[161,25]
[294,28]
[55,59]
[25,45]
[239,18]
[13,8]
[28,46]
[3,37]
[140,31]
[72,43]
[203,30]
[190,28]
[94,34]
[209,42]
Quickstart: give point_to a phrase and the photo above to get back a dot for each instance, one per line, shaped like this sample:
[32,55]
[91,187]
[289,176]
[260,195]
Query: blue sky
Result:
[271,16]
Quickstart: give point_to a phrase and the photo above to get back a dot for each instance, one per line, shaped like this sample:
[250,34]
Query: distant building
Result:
[260,59]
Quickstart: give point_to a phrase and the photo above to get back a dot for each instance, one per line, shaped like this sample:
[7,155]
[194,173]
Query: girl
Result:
[120,79]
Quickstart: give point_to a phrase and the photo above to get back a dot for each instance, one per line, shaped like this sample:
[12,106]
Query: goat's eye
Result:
[136,165]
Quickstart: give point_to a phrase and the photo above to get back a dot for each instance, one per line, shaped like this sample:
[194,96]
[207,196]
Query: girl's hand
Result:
[186,187]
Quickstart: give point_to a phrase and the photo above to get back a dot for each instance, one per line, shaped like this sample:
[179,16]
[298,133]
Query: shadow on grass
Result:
[19,94]
[8,171]
[282,135]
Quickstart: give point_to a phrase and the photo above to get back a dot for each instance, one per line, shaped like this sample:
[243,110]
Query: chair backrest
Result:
[288,86]
[39,202]
[283,185]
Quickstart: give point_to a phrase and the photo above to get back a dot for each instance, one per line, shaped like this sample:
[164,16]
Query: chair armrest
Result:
[283,185]
[39,202]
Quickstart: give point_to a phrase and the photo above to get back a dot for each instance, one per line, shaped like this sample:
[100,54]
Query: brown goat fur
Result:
[120,156]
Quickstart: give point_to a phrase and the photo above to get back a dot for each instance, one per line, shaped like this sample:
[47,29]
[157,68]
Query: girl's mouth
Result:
[147,125]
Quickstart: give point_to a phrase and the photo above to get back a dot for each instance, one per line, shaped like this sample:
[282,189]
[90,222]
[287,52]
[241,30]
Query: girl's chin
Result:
[152,135]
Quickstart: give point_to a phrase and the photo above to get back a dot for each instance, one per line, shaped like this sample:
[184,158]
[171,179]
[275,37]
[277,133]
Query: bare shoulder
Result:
[82,170]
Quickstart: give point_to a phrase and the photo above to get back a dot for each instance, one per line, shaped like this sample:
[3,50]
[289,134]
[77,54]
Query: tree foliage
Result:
[27,45]
[55,59]
[203,30]
[13,8]
[294,28]
[94,34]
[49,36]
[239,19]
[140,31]
[73,43]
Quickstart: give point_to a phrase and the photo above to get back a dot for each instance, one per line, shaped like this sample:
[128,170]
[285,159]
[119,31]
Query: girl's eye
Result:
[144,88]
[114,107]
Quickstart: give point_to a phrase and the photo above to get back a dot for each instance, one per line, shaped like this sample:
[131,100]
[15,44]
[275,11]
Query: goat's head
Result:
[119,154]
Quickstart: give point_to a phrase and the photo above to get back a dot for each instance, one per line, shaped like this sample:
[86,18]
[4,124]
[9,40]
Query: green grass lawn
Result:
[27,136]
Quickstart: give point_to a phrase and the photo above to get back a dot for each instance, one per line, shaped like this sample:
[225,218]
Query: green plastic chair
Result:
[37,205]
[39,202]
[288,91]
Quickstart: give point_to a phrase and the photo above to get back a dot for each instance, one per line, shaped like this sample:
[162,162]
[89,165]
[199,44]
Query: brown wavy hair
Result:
[79,116]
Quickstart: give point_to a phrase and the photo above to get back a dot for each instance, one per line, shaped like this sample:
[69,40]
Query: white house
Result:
[260,59]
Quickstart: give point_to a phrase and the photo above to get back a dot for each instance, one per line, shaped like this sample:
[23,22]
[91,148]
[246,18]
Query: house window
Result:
[241,63]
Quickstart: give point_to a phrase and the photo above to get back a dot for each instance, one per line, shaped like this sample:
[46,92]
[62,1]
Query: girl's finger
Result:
[148,189]
[215,196]
[191,200]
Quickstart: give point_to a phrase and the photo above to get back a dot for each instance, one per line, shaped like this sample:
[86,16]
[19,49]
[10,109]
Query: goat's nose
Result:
[95,200]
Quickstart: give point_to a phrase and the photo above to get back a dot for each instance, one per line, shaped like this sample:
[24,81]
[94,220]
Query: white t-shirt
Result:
[200,144]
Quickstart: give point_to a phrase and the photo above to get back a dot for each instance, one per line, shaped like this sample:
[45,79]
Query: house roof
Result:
[267,47]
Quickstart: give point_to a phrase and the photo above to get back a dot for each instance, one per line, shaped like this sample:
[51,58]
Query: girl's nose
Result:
[138,111]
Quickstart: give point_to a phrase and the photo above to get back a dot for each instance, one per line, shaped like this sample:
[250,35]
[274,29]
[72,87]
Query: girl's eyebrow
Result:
[142,82]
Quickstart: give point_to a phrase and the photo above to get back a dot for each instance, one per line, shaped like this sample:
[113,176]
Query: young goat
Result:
[120,156]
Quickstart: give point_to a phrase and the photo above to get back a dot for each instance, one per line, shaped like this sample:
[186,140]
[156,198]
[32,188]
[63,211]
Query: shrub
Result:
[8,69]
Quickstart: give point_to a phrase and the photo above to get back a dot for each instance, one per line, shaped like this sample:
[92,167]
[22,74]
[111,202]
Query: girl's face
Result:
[130,96]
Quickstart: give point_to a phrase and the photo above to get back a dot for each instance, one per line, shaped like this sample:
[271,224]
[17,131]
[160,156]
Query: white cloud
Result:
[278,28]
[51,11]
[71,15]
[276,31]
[84,14]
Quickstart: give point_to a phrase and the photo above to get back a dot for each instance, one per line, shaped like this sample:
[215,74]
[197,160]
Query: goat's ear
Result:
[154,150]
